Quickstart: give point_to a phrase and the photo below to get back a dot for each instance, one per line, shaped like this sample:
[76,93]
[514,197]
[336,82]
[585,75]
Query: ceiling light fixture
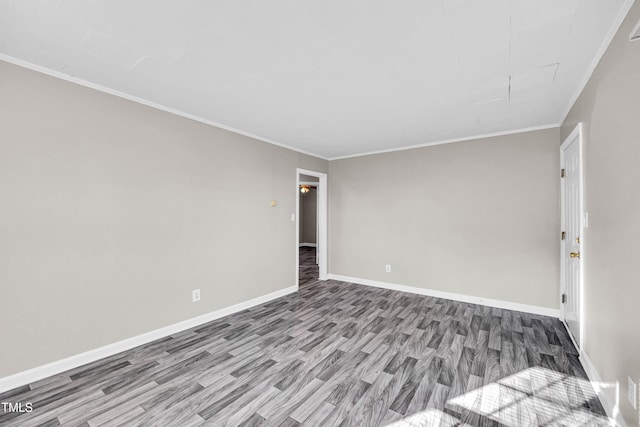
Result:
[305,189]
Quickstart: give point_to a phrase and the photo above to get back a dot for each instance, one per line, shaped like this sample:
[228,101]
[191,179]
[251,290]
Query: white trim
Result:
[104,89]
[59,366]
[564,322]
[544,311]
[447,141]
[308,245]
[611,408]
[321,219]
[297,225]
[599,54]
[128,97]
[309,183]
[576,133]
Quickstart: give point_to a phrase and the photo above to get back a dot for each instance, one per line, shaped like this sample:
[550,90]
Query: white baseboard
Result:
[59,366]
[453,296]
[308,245]
[610,405]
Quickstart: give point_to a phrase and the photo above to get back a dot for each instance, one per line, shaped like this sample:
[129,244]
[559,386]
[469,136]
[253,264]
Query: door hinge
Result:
[562,237]
[564,298]
[561,173]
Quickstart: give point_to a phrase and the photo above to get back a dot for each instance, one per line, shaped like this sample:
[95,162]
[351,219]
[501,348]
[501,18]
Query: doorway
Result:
[572,238]
[311,239]
[308,230]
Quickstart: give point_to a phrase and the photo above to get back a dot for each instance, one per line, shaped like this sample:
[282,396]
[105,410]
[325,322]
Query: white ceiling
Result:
[328,77]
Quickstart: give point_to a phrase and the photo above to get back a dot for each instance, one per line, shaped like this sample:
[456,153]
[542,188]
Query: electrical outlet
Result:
[387,268]
[195,295]
[632,394]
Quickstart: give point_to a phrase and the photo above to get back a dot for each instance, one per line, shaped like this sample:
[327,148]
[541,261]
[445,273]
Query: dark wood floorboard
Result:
[333,354]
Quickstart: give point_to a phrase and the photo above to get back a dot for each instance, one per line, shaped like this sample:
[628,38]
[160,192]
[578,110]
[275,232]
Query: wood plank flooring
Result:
[308,268]
[333,354]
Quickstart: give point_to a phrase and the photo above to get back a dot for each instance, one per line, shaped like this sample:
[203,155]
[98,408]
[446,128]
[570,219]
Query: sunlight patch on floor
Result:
[534,396]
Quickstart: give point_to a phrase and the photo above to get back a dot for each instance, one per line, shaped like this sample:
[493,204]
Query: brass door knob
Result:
[574,254]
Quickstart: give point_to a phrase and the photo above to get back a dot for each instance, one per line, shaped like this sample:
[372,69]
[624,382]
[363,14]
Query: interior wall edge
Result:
[525,308]
[624,11]
[40,372]
[611,407]
[608,109]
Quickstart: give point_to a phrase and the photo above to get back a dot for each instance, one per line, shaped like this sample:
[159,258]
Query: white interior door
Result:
[572,239]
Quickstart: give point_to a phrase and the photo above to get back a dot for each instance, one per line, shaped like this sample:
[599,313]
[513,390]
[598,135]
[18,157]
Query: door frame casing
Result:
[314,184]
[576,133]
[321,218]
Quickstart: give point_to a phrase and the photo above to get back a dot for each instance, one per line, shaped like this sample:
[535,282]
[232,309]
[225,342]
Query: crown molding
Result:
[128,97]
[447,141]
[70,78]
[622,14]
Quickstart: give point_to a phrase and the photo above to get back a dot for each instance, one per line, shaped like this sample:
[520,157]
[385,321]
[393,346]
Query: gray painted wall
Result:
[112,212]
[479,218]
[308,178]
[308,214]
[609,107]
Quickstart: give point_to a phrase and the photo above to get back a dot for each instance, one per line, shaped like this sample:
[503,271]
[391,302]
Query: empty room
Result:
[319,213]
